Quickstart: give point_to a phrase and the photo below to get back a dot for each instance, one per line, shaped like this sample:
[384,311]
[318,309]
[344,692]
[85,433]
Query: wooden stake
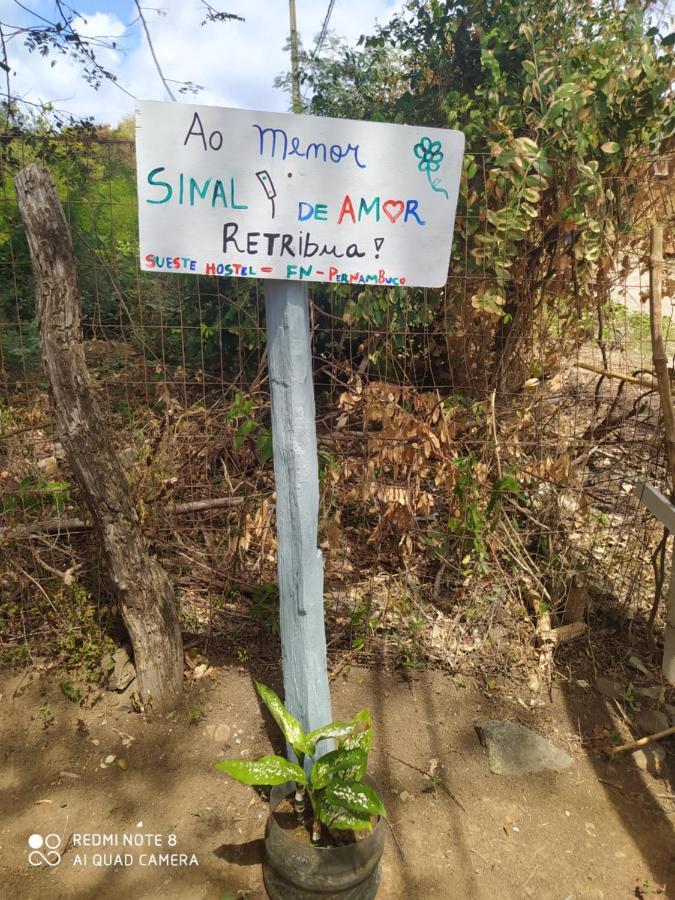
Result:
[296,474]
[563,633]
[64,526]
[575,606]
[660,358]
[659,354]
[634,745]
[645,382]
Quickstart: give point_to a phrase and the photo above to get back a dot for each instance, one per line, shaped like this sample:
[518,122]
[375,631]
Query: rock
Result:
[497,634]
[637,663]
[515,750]
[650,693]
[610,688]
[127,698]
[200,671]
[121,669]
[48,466]
[220,734]
[650,759]
[649,721]
[669,709]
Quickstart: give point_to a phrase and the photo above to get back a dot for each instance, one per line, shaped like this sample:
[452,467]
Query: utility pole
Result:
[295,62]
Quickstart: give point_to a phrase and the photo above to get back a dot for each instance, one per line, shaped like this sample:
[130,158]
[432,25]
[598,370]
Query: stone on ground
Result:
[649,692]
[119,668]
[649,721]
[650,759]
[515,750]
[126,699]
[610,688]
[221,733]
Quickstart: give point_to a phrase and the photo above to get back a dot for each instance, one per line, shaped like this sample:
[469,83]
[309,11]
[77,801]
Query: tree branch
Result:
[152,51]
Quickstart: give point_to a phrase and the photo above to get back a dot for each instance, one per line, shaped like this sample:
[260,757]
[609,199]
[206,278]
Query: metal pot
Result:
[295,871]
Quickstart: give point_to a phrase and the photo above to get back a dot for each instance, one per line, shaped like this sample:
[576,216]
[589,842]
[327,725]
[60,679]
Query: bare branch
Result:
[152,51]
[5,66]
[213,15]
[59,36]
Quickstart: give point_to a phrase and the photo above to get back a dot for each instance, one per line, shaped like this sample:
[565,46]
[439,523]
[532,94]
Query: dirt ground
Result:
[597,830]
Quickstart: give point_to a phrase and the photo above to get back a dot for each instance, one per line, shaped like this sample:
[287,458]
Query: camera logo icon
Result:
[44,850]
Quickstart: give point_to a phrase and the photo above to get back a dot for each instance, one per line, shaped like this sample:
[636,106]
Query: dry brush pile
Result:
[449,525]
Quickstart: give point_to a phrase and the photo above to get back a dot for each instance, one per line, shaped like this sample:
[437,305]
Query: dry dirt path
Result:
[597,830]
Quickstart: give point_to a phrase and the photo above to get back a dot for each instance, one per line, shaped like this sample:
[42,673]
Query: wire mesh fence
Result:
[450,506]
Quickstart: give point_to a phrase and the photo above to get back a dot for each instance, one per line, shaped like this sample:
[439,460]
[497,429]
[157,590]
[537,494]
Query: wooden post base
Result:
[296,470]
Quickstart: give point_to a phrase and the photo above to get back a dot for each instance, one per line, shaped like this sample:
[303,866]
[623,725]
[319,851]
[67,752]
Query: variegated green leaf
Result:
[266,770]
[343,819]
[361,737]
[361,741]
[348,765]
[355,797]
[289,725]
[337,730]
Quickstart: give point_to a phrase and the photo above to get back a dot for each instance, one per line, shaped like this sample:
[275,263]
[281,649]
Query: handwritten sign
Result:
[233,192]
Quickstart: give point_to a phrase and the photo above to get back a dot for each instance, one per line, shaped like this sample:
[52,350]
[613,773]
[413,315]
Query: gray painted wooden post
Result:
[663,510]
[296,472]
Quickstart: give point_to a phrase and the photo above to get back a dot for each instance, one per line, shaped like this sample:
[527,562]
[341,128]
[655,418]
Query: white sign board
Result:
[273,195]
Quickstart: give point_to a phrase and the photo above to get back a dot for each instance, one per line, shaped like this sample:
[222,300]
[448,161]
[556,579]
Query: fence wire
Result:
[447,508]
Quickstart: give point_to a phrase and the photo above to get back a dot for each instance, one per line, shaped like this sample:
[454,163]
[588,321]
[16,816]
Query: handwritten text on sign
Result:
[271,195]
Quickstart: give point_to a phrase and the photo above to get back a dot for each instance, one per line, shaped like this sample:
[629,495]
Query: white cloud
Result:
[235,62]
[100,24]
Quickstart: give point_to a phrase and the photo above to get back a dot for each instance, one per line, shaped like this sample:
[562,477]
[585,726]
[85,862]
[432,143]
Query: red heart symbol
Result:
[396,205]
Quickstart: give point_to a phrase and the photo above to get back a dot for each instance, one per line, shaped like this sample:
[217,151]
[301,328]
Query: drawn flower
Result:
[429,154]
[430,157]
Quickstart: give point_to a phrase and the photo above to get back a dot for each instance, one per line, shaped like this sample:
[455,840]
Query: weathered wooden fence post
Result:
[145,593]
[659,354]
[655,502]
[660,507]
[296,472]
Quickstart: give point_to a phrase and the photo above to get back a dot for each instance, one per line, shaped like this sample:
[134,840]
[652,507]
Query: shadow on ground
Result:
[597,830]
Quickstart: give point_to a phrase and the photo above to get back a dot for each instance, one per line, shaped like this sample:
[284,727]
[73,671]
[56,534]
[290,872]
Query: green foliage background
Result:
[564,105]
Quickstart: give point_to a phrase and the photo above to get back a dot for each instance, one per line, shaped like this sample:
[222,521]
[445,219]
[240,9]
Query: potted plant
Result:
[329,841]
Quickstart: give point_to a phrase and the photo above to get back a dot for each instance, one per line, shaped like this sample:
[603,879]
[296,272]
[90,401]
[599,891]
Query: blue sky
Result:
[235,62]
